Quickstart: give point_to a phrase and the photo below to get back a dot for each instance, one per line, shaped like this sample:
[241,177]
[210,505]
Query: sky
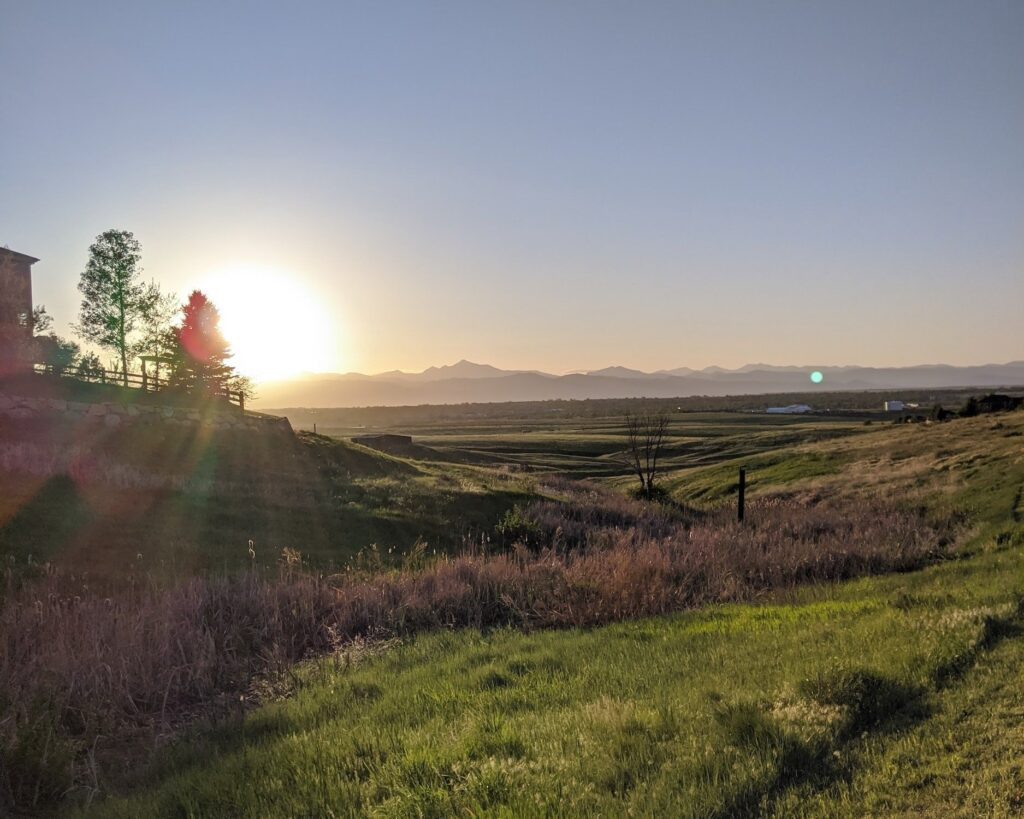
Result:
[550,185]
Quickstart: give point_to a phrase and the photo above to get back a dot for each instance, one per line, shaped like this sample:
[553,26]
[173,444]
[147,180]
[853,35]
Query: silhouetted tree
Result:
[970,408]
[114,298]
[41,320]
[90,368]
[243,385]
[198,348]
[646,436]
[158,312]
[57,353]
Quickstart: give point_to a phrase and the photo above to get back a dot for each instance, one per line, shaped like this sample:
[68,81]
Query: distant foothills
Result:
[466,382]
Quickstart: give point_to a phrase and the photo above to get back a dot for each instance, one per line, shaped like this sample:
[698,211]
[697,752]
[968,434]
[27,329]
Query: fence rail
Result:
[139,381]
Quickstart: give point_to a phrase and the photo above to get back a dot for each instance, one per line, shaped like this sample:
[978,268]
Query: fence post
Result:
[742,495]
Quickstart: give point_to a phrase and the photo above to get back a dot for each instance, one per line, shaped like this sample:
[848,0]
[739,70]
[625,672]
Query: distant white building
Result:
[792,409]
[894,406]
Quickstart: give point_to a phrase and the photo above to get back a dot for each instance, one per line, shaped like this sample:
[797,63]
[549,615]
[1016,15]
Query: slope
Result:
[865,697]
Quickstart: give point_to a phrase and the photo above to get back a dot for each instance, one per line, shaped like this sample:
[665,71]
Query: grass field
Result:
[591,447]
[193,501]
[868,698]
[871,697]
[180,502]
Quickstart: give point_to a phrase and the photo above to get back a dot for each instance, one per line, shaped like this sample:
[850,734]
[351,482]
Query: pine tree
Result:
[199,349]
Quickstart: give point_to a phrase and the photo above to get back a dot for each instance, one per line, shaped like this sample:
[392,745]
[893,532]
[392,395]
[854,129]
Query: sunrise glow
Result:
[276,326]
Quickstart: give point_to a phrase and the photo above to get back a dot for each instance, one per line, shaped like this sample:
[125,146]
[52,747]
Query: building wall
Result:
[15,311]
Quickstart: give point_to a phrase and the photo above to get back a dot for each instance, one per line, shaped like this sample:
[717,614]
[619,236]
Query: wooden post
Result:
[742,495]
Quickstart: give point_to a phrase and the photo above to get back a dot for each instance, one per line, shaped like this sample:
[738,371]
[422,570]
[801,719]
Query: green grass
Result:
[812,705]
[588,447]
[331,499]
[177,502]
[872,697]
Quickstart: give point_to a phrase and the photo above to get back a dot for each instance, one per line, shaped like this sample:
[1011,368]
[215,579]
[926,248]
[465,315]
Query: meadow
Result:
[180,502]
[561,649]
[875,697]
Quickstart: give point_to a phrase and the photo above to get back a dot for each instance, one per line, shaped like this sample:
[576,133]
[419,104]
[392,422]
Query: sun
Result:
[275,325]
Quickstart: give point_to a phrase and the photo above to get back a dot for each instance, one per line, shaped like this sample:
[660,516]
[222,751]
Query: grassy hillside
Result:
[872,697]
[867,698]
[181,501]
[587,447]
[975,464]
[178,501]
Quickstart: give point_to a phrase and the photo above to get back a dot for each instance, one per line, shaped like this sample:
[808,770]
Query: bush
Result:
[77,664]
[90,368]
[59,354]
[654,492]
[515,526]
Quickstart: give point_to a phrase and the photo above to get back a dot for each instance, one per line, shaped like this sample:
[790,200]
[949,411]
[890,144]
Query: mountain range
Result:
[467,382]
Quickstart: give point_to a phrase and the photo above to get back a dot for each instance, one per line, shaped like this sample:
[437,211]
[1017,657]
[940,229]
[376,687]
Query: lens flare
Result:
[817,377]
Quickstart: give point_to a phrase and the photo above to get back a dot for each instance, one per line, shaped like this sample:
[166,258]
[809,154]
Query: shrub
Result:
[516,526]
[78,663]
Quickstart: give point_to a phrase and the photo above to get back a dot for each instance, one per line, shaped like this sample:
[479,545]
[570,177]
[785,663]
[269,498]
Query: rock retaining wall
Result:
[112,414]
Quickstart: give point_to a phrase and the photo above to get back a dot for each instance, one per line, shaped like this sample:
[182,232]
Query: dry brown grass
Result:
[81,668]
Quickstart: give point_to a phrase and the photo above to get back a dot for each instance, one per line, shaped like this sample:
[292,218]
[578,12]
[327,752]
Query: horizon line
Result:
[667,372]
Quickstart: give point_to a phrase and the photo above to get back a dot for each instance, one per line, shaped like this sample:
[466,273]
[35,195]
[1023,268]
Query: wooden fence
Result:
[139,381]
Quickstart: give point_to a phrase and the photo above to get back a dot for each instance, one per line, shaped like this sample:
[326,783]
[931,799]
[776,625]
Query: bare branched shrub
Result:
[646,436]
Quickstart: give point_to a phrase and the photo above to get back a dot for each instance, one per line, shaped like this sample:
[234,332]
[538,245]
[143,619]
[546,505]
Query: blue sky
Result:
[556,185]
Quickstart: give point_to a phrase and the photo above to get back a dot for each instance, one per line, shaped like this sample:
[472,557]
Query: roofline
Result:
[24,257]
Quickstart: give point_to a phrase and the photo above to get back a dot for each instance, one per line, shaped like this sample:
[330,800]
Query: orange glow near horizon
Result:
[275,325]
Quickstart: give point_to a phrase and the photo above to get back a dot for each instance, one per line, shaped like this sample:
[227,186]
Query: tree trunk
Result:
[121,339]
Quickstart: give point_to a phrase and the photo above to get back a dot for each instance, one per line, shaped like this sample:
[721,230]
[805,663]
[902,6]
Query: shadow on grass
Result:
[869,703]
[993,631]
[44,521]
[791,759]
